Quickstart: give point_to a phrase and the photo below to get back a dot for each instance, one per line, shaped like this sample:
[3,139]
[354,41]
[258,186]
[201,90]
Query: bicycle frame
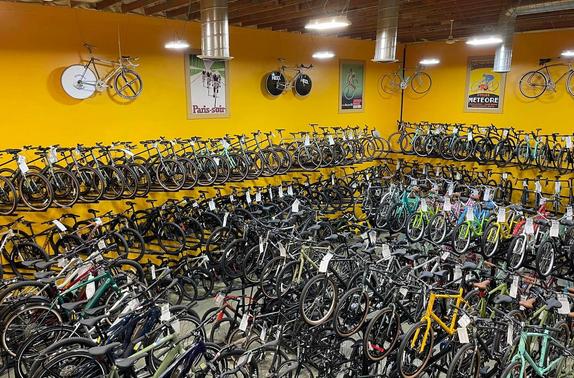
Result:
[524,357]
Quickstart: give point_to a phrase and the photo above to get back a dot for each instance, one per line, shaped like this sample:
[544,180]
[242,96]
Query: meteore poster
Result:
[484,88]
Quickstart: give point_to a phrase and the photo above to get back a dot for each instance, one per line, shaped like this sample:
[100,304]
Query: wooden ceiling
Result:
[419,20]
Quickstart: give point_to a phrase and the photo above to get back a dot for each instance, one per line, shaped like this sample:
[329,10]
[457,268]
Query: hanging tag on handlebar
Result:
[437,171]
[501,215]
[282,250]
[280,191]
[59,224]
[270,191]
[509,334]
[195,204]
[225,216]
[376,134]
[424,206]
[331,140]
[450,189]
[404,291]
[445,255]
[90,288]
[447,205]
[568,142]
[325,262]
[457,273]
[263,335]
[569,212]
[332,179]
[462,335]
[211,205]
[554,229]
[98,221]
[529,226]
[537,187]
[469,216]
[244,322]
[22,164]
[247,197]
[152,272]
[464,321]
[165,313]
[457,176]
[505,133]
[514,287]
[455,130]
[261,244]
[565,308]
[386,251]
[373,236]
[295,206]
[504,176]
[469,136]
[486,194]
[219,299]
[289,190]
[102,245]
[258,196]
[307,140]
[557,187]
[53,155]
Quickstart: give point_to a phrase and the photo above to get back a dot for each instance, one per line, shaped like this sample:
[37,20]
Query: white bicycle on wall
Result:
[81,81]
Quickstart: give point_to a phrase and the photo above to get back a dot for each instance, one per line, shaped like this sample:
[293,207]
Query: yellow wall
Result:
[37,42]
[445,101]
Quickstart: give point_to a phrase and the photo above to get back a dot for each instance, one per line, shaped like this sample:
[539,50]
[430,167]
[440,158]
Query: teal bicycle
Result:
[551,355]
[401,210]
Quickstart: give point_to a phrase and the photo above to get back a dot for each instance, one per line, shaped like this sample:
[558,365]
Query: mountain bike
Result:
[80,81]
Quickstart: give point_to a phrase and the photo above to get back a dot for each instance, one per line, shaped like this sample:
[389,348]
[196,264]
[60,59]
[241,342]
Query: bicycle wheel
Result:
[390,83]
[128,84]
[35,191]
[269,277]
[309,157]
[351,312]
[533,84]
[461,237]
[74,363]
[294,369]
[523,153]
[412,358]
[421,82]
[545,257]
[170,175]
[318,300]
[114,182]
[516,252]
[381,334]
[396,217]
[171,238]
[25,251]
[65,187]
[437,228]
[570,83]
[465,363]
[415,229]
[208,170]
[490,240]
[91,183]
[8,196]
[135,243]
[131,181]
[513,371]
[143,179]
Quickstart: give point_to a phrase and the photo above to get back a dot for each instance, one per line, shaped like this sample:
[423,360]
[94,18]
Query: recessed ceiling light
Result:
[178,44]
[328,23]
[484,41]
[429,61]
[323,55]
[568,53]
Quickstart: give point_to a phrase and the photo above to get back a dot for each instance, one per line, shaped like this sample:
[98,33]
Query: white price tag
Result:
[270,191]
[211,205]
[219,298]
[127,152]
[514,287]
[509,334]
[261,244]
[263,335]
[60,225]
[565,308]
[307,140]
[469,213]
[386,251]
[554,229]
[194,204]
[244,321]
[22,164]
[455,130]
[225,216]
[458,176]
[216,161]
[450,188]
[152,272]
[247,197]
[569,212]
[445,255]
[537,187]
[331,140]
[325,262]
[62,262]
[501,216]
[289,190]
[364,236]
[258,196]
[90,288]
[557,187]
[53,155]
[464,321]
[424,206]
[504,176]
[469,136]
[165,313]
[102,244]
[175,324]
[282,250]
[281,191]
[373,236]
[568,142]
[295,206]
[529,226]
[462,335]
[447,205]
[457,273]
[98,221]
[404,291]
[505,133]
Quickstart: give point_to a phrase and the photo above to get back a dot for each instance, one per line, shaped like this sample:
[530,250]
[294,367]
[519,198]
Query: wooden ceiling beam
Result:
[105,4]
[129,7]
[192,5]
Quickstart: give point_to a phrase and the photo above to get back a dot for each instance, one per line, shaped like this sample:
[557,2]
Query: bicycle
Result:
[420,81]
[80,81]
[276,82]
[534,83]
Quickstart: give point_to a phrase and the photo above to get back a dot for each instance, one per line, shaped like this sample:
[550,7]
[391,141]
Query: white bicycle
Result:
[81,81]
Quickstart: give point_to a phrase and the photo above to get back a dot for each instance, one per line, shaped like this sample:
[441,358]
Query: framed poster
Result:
[484,88]
[207,85]
[351,86]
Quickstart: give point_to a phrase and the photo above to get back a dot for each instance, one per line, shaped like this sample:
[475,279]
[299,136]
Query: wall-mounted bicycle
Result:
[534,83]
[394,82]
[81,81]
[277,82]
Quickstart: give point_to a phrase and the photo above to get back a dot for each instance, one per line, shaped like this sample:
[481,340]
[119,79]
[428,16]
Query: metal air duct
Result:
[387,29]
[214,30]
[507,21]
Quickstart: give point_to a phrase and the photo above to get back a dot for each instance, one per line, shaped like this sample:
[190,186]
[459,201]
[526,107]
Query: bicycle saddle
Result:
[90,322]
[483,285]
[503,299]
[94,310]
[468,266]
[42,275]
[103,349]
[528,303]
[543,61]
[44,264]
[30,263]
[553,303]
[71,306]
[130,203]
[13,151]
[425,275]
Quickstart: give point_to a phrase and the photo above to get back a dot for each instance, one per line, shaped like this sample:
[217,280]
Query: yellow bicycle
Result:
[418,343]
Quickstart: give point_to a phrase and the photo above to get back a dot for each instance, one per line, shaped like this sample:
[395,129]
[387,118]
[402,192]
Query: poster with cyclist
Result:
[351,86]
[207,87]
[484,87]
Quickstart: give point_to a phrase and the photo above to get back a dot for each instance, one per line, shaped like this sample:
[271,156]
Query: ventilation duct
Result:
[214,30]
[387,29]
[507,21]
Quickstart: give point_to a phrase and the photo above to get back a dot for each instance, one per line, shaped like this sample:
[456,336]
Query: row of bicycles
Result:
[503,146]
[342,276]
[37,177]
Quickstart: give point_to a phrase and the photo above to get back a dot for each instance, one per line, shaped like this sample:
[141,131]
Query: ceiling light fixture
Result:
[429,61]
[484,41]
[323,55]
[328,23]
[177,44]
[568,53]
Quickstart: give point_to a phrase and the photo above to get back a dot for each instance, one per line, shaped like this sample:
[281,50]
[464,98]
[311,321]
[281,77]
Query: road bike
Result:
[534,83]
[419,81]
[276,82]
[81,81]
